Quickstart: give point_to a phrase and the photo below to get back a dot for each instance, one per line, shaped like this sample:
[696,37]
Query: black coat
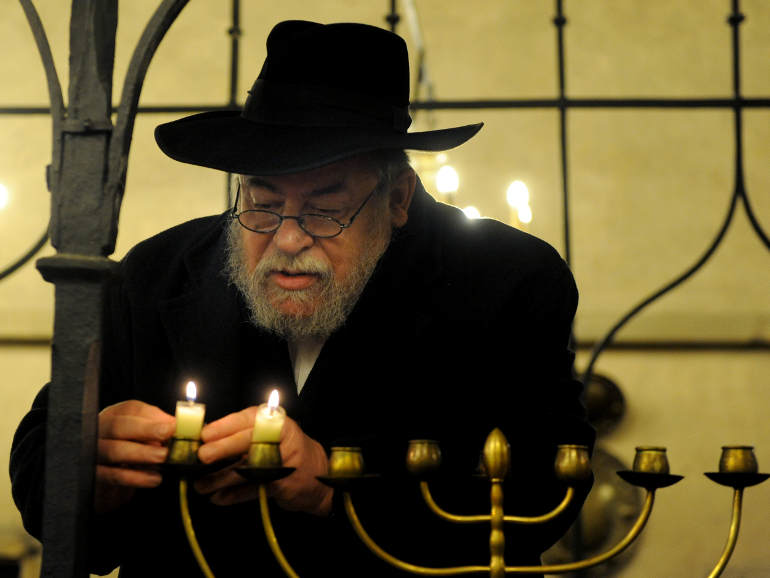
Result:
[463,327]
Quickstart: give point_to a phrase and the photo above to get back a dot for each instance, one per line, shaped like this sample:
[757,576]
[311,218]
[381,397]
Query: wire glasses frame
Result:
[315,225]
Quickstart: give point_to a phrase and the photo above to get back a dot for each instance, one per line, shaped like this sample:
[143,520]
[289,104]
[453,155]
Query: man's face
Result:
[295,284]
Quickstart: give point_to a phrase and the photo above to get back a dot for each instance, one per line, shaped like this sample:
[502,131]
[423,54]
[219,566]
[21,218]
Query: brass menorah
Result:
[737,469]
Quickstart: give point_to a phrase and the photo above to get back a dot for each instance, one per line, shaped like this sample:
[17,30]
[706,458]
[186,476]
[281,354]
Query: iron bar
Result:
[673,346]
[473,104]
[393,17]
[235,36]
[560,21]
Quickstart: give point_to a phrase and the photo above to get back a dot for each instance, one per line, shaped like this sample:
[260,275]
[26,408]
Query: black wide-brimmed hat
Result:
[325,93]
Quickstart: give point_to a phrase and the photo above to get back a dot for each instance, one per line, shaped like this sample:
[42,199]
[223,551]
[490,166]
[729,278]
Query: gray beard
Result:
[335,298]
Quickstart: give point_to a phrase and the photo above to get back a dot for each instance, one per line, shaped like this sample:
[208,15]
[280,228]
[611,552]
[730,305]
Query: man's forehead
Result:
[310,188]
[341,176]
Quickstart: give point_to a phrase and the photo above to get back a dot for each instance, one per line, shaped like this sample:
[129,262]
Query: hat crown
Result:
[351,57]
[334,75]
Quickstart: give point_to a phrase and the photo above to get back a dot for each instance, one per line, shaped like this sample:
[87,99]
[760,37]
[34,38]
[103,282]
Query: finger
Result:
[137,428]
[235,495]
[129,452]
[232,446]
[128,477]
[229,425]
[139,409]
[217,481]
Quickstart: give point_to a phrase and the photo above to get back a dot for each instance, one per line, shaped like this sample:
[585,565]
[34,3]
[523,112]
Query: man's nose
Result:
[291,238]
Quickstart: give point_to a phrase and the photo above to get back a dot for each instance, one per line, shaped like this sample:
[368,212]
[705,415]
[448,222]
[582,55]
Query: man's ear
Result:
[401,193]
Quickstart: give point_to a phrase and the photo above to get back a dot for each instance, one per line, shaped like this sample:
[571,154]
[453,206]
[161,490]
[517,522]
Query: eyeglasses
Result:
[317,226]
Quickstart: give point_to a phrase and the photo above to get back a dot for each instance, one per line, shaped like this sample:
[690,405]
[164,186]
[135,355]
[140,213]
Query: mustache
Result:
[302,263]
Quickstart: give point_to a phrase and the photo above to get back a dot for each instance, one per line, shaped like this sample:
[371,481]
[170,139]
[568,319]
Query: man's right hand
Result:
[131,437]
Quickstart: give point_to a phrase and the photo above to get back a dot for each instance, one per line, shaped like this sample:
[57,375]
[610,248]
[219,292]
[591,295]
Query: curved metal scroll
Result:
[120,141]
[54,87]
[739,191]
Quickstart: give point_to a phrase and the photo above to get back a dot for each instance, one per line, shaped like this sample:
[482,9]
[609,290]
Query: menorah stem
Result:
[270,534]
[190,532]
[732,537]
[392,560]
[496,533]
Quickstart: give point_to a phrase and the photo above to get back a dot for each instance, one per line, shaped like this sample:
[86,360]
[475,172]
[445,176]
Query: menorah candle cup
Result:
[738,460]
[651,460]
[572,463]
[183,451]
[423,457]
[265,455]
[346,462]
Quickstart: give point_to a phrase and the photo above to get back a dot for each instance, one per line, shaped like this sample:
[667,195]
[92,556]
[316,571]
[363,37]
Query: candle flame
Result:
[192,391]
[272,402]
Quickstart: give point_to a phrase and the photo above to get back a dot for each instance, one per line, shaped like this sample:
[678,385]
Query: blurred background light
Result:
[5,196]
[447,180]
[517,194]
[472,212]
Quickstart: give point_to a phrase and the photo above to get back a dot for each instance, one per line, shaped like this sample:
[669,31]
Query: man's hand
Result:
[131,435]
[230,437]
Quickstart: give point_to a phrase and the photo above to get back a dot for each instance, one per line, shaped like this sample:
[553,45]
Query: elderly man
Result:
[379,314]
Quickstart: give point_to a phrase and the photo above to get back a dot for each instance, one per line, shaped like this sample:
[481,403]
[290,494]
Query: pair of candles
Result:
[267,424]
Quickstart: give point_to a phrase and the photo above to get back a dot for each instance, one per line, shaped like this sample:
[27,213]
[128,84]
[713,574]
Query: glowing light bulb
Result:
[472,212]
[4,196]
[525,214]
[447,180]
[517,194]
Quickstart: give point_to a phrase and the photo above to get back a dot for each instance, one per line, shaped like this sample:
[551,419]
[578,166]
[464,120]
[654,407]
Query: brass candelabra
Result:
[737,469]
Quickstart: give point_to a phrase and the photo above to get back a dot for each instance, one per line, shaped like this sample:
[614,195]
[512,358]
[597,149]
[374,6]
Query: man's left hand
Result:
[230,437]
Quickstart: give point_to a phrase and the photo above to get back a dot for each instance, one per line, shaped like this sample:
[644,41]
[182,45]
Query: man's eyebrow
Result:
[258,182]
[327,190]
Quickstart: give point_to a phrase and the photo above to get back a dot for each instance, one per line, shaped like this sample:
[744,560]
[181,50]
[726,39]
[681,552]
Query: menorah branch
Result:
[190,531]
[436,509]
[392,560]
[632,534]
[732,537]
[272,541]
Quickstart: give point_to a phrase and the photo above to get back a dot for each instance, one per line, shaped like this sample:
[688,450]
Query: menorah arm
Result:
[732,538]
[393,561]
[633,533]
[190,532]
[436,509]
[270,534]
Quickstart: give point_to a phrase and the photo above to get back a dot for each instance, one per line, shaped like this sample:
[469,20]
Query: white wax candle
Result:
[269,421]
[189,416]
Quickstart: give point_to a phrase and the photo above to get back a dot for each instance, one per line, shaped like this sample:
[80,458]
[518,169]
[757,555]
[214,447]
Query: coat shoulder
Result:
[159,264]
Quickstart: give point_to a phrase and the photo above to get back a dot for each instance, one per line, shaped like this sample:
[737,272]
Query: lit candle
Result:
[269,420]
[189,415]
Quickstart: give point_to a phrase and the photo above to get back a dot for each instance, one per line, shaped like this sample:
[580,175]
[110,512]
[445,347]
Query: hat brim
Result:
[224,140]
